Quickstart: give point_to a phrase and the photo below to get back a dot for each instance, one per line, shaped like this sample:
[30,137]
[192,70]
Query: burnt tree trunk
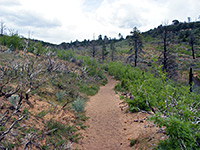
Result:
[190,79]
[192,40]
[165,50]
[93,51]
[112,50]
[136,52]
[193,52]
[103,51]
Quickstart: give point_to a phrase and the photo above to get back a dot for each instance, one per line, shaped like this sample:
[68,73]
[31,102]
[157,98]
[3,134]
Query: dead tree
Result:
[165,49]
[167,59]
[112,48]
[190,79]
[104,52]
[192,42]
[136,42]
[94,49]
[3,27]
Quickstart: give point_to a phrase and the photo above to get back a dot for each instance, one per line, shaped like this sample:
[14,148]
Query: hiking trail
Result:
[110,128]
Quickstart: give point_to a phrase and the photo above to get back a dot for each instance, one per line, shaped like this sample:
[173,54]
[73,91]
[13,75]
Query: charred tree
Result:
[112,48]
[136,42]
[192,42]
[3,27]
[190,79]
[104,50]
[167,59]
[94,49]
[165,49]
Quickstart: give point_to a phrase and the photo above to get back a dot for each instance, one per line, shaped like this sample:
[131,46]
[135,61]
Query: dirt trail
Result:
[109,127]
[105,131]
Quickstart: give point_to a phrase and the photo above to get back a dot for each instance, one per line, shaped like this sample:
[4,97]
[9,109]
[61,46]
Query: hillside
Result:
[42,100]
[178,46]
[44,89]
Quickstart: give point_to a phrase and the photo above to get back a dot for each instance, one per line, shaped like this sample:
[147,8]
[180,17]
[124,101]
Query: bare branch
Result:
[12,125]
[12,92]
[4,115]
[16,110]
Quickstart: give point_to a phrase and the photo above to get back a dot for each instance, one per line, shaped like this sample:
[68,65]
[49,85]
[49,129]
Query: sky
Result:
[58,21]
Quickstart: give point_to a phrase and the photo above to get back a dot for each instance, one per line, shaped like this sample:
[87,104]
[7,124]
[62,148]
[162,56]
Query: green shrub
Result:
[61,133]
[78,105]
[14,100]
[10,145]
[132,142]
[65,54]
[60,95]
[90,90]
[38,49]
[14,41]
[42,113]
[179,107]
[93,68]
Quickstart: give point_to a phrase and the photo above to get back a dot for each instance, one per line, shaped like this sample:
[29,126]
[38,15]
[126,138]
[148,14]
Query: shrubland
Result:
[43,94]
[60,77]
[175,110]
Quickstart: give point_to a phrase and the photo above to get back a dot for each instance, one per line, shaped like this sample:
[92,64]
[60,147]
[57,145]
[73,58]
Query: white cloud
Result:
[66,20]
[9,2]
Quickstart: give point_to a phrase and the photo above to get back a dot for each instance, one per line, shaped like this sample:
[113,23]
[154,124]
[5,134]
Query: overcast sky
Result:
[59,21]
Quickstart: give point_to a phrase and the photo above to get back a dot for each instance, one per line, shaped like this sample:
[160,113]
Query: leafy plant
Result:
[178,110]
[60,95]
[65,54]
[89,89]
[42,113]
[61,132]
[14,100]
[78,105]
[13,41]
[132,142]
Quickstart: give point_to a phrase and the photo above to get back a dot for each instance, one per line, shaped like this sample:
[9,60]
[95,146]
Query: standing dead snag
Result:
[136,41]
[112,48]
[3,27]
[192,42]
[190,79]
[94,49]
[167,59]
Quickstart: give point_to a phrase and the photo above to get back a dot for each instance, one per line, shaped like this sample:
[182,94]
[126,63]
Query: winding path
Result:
[109,127]
[105,130]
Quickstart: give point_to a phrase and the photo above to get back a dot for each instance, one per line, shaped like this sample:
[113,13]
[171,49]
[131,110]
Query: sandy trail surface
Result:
[110,128]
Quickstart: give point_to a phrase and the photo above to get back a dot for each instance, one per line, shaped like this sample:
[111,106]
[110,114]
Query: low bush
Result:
[90,90]
[14,100]
[132,142]
[61,134]
[13,41]
[60,95]
[78,105]
[65,54]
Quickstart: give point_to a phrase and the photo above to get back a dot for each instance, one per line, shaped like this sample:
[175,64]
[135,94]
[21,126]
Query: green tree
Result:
[175,22]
